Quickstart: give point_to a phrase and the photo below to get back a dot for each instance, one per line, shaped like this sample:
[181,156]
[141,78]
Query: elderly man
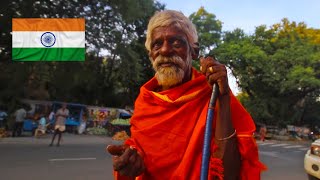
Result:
[167,127]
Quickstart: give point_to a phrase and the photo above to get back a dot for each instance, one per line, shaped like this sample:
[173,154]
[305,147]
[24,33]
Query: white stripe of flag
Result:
[64,39]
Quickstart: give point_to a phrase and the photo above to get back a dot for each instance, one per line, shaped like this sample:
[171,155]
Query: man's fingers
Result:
[126,155]
[215,69]
[140,165]
[215,73]
[130,163]
[137,165]
[116,150]
[118,164]
[121,158]
[209,65]
[133,157]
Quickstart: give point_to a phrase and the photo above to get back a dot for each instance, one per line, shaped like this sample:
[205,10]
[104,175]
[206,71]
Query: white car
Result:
[312,161]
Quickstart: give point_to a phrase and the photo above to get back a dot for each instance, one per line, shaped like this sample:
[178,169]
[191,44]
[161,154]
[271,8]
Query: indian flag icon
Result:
[48,39]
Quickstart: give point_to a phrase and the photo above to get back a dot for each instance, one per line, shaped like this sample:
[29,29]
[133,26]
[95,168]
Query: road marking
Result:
[269,153]
[296,146]
[273,154]
[304,149]
[296,151]
[73,159]
[262,144]
[278,145]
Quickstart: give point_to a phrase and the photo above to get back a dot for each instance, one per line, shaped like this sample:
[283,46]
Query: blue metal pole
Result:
[207,134]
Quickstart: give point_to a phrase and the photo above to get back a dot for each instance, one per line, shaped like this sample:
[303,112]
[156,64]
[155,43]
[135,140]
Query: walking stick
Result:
[207,133]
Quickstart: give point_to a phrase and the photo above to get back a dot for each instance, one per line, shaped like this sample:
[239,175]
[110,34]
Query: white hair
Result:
[170,17]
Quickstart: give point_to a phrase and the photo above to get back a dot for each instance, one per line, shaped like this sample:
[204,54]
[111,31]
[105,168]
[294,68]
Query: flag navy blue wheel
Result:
[48,39]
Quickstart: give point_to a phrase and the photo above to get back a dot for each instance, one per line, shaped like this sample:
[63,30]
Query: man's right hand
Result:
[126,160]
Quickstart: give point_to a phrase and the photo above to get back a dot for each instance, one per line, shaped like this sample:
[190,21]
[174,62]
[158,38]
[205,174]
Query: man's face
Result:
[170,54]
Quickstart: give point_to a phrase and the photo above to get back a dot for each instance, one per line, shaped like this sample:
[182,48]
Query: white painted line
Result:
[304,149]
[273,154]
[73,159]
[296,146]
[270,153]
[262,144]
[296,151]
[279,145]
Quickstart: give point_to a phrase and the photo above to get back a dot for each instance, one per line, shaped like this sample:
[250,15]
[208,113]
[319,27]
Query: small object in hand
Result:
[120,136]
[116,150]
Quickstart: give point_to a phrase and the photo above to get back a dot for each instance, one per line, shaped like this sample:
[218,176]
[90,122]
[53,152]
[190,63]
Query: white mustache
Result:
[175,60]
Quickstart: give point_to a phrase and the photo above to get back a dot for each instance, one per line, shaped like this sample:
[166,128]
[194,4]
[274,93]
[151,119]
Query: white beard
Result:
[169,76]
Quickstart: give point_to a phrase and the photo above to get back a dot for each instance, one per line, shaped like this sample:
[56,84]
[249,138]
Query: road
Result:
[82,157]
[284,160]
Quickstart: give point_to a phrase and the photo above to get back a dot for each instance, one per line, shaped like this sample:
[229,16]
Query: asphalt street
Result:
[80,157]
[83,157]
[283,159]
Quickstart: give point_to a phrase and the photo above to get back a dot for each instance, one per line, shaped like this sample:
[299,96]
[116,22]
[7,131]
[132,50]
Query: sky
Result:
[248,14]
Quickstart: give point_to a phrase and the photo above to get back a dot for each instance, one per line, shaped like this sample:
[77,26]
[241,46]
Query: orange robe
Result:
[168,129]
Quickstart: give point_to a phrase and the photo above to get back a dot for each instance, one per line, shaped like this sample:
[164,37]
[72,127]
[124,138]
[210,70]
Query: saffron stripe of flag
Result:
[48,24]
[41,39]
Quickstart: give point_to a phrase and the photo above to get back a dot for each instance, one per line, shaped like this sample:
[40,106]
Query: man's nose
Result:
[166,49]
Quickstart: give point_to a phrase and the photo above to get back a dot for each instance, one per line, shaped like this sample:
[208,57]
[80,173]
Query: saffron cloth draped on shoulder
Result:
[48,39]
[167,128]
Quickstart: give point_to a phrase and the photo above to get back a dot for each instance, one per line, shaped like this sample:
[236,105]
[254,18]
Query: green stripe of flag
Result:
[48,54]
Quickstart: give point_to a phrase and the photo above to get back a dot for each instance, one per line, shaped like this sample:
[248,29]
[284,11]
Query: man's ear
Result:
[195,51]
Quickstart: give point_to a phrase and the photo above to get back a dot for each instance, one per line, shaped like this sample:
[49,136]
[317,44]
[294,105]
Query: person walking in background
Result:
[20,114]
[263,132]
[60,126]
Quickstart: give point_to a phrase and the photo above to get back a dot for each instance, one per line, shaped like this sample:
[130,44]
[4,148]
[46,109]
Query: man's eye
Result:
[156,45]
[178,43]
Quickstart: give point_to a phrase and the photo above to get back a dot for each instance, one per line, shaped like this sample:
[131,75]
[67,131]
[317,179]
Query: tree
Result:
[115,57]
[209,29]
[277,69]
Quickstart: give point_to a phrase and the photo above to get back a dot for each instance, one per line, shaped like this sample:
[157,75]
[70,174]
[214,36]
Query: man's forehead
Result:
[168,31]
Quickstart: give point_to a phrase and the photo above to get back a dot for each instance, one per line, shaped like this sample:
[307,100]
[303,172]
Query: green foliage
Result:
[278,70]
[97,131]
[120,122]
[116,63]
[209,29]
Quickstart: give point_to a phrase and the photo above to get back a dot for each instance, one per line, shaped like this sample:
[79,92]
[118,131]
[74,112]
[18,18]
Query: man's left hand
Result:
[215,73]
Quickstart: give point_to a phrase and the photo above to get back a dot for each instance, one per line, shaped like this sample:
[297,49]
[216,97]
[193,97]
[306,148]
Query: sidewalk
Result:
[66,137]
